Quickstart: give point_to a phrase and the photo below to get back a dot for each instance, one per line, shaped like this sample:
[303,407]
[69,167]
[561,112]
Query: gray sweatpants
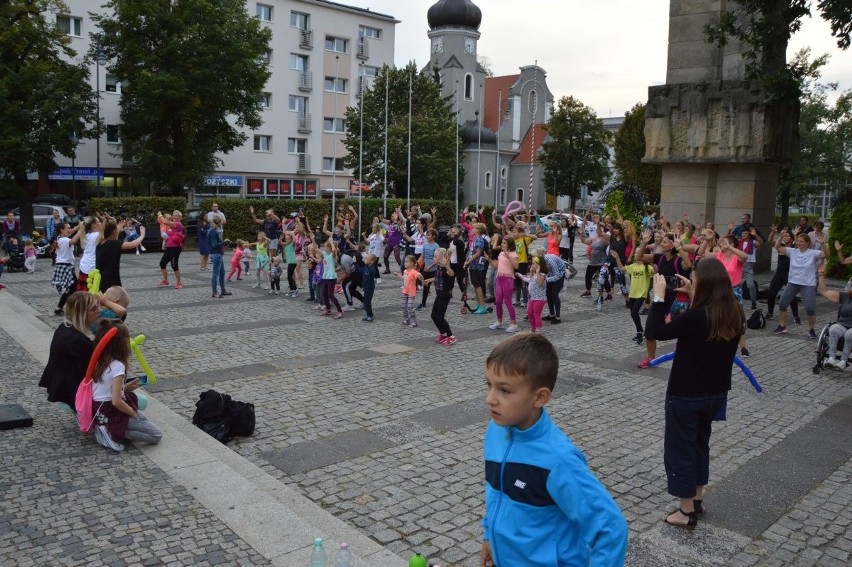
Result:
[142,429]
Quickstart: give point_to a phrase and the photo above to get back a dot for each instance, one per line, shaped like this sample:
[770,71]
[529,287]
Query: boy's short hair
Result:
[118,294]
[529,355]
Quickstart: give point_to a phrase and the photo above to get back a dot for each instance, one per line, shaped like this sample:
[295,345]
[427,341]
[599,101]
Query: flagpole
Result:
[334,149]
[479,146]
[408,199]
[385,187]
[498,170]
[360,147]
[456,105]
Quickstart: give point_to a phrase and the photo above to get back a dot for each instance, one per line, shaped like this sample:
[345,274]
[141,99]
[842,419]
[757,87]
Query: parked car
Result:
[190,221]
[63,201]
[40,215]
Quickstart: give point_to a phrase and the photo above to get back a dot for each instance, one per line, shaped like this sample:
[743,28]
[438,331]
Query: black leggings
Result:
[636,304]
[395,250]
[426,287]
[460,272]
[171,255]
[439,312]
[554,303]
[291,270]
[590,271]
[779,281]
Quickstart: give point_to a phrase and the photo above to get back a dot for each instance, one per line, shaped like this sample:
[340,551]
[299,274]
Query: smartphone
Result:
[673,282]
[143,379]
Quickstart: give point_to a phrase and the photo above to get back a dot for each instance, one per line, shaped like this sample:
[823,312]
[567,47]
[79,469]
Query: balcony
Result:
[306,81]
[363,51]
[306,39]
[304,164]
[304,123]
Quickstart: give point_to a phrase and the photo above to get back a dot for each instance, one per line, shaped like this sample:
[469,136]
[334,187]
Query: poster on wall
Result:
[286,188]
[311,186]
[255,186]
[298,188]
[272,187]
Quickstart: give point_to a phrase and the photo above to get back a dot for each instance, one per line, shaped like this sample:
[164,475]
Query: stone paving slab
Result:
[317,379]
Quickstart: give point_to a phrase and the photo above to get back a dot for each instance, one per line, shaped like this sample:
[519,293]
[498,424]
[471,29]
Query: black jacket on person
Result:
[70,351]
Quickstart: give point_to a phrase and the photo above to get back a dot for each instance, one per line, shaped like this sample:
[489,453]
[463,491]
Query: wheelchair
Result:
[822,353]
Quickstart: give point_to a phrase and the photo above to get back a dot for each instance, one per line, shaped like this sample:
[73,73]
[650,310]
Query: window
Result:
[112,85]
[504,174]
[265,100]
[112,133]
[533,101]
[369,71]
[299,20]
[332,164]
[337,44]
[520,194]
[70,25]
[299,62]
[503,196]
[264,12]
[488,180]
[367,31]
[262,143]
[334,125]
[297,145]
[468,87]
[298,103]
[335,84]
[266,57]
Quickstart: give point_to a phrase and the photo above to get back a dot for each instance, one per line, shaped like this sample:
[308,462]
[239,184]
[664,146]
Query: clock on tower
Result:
[437,44]
[470,45]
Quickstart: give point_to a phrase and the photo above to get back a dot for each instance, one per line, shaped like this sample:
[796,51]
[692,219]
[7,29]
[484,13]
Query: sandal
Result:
[691,523]
[699,506]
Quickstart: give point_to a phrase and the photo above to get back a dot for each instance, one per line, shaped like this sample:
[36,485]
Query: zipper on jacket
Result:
[511,441]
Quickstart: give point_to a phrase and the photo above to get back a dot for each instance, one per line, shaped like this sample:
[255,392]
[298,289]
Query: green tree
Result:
[824,139]
[45,97]
[433,136]
[629,145]
[192,74]
[576,152]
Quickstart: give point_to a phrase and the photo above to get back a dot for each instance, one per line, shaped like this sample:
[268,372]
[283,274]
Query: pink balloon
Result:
[512,208]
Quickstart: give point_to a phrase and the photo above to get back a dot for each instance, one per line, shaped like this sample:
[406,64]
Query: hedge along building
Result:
[501,119]
[322,55]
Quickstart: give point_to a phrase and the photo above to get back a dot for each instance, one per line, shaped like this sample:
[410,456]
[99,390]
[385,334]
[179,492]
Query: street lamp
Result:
[334,149]
[100,57]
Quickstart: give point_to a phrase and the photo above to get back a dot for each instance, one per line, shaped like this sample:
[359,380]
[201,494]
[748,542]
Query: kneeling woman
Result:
[707,336]
[113,401]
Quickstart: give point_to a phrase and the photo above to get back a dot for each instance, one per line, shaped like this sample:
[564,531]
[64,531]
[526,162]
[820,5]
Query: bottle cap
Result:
[318,541]
[344,545]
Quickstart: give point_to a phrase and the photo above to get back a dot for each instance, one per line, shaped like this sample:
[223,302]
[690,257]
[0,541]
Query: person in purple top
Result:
[394,229]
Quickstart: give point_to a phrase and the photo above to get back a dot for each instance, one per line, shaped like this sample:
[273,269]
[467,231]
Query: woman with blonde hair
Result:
[70,349]
[172,247]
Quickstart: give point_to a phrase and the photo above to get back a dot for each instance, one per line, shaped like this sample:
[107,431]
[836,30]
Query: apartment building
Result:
[322,55]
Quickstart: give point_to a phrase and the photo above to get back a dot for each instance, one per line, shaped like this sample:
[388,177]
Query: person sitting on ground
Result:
[70,349]
[552,508]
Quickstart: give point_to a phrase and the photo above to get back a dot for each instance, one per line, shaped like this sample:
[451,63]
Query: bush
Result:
[143,209]
[840,229]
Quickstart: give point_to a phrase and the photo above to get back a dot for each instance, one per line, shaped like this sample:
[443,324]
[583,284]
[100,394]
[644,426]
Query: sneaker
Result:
[271,291]
[405,322]
[495,325]
[359,306]
[812,334]
[227,293]
[769,316]
[586,294]
[348,308]
[779,330]
[378,280]
[753,306]
[555,321]
[295,293]
[491,300]
[639,337]
[319,306]
[646,363]
[547,318]
[831,361]
[512,329]
[102,435]
[338,289]
[338,315]
[480,310]
[440,338]
[367,319]
[451,340]
[255,286]
[163,283]
[797,321]
[599,301]
[609,297]
[744,353]
[413,324]
[523,304]
[326,311]
[419,308]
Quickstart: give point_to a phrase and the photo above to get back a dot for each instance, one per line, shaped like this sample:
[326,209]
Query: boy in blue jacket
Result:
[543,506]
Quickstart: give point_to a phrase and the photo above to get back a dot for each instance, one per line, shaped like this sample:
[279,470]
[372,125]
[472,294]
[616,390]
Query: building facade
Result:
[322,55]
[501,119]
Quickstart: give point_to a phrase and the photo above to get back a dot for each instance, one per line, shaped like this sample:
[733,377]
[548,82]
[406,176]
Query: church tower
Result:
[453,35]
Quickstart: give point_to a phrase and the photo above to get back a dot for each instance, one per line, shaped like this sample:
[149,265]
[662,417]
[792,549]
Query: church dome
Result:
[470,134]
[455,14]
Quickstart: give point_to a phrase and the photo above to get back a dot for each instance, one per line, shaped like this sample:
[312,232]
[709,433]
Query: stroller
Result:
[13,246]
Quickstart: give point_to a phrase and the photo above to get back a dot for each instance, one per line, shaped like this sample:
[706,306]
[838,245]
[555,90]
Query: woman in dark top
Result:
[707,336]
[203,247]
[70,349]
[108,252]
[779,279]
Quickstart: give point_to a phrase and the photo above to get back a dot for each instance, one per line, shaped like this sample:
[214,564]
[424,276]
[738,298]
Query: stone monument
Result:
[719,140]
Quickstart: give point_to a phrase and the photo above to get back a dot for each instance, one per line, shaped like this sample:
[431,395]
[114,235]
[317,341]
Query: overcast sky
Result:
[604,52]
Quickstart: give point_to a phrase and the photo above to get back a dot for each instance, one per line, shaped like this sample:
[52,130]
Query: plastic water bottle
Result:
[318,557]
[344,556]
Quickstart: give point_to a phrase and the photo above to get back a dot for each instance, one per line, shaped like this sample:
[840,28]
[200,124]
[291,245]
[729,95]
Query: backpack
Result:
[83,399]
[222,417]
[757,320]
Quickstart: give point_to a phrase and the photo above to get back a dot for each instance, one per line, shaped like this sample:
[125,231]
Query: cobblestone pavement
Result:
[383,428]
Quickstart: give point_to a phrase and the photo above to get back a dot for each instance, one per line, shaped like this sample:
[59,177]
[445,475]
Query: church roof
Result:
[493,86]
[523,156]
[455,14]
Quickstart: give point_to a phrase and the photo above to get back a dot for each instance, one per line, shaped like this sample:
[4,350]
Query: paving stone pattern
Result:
[389,439]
